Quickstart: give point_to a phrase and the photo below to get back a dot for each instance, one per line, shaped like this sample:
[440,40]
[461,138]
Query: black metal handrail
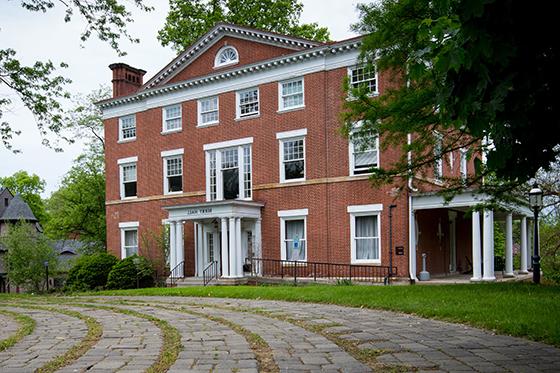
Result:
[176,273]
[321,270]
[210,272]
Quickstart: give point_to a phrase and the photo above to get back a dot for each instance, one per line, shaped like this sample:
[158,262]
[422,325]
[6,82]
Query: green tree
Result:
[77,208]
[30,188]
[470,70]
[90,272]
[131,272]
[28,250]
[190,19]
[40,86]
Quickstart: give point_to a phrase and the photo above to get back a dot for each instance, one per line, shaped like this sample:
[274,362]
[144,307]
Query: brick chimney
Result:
[126,79]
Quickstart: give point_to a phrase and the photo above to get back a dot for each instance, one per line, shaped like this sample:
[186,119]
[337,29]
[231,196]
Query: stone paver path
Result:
[128,344]
[208,346]
[54,334]
[430,345]
[8,326]
[133,344]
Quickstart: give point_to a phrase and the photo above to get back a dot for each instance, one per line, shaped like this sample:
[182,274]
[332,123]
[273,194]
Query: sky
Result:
[45,36]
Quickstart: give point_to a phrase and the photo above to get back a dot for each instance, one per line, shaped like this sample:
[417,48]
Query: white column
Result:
[530,249]
[225,251]
[523,246]
[232,250]
[476,257]
[509,246]
[180,244]
[258,244]
[488,247]
[172,245]
[238,249]
[200,255]
[411,241]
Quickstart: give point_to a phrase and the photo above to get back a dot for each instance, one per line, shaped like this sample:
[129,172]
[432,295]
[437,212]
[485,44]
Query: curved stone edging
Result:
[16,326]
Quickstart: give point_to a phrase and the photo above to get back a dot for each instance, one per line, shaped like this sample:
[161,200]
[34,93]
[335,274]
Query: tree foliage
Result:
[131,272]
[30,188]
[190,19]
[90,272]
[77,208]
[470,70]
[28,250]
[40,87]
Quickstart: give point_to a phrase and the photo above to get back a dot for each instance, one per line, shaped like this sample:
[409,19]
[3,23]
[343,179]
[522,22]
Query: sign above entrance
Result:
[199,211]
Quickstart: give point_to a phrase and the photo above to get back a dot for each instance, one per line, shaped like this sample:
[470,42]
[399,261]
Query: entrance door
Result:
[212,247]
[452,241]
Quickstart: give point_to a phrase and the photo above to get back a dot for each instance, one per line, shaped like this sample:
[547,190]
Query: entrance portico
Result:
[225,232]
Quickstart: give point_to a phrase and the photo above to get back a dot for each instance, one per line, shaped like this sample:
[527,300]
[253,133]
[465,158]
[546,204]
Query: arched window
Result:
[226,56]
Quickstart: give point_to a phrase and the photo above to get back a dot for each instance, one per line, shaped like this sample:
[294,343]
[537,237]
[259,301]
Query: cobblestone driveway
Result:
[227,335]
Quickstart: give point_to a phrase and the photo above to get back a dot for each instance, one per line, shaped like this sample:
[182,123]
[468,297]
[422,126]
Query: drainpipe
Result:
[411,241]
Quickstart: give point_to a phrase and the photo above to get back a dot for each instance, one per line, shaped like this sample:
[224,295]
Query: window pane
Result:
[366,226]
[172,112]
[367,248]
[129,172]
[295,228]
[247,171]
[231,183]
[248,102]
[131,238]
[295,239]
[291,88]
[364,76]
[229,158]
[130,189]
[213,191]
[228,55]
[293,150]
[175,183]
[174,166]
[128,127]
[294,170]
[171,124]
[367,237]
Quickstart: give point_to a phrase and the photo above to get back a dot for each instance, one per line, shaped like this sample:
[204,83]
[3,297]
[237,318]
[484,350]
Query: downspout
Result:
[325,106]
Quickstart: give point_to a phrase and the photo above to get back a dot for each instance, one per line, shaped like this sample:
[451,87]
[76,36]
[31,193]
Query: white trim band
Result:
[289,134]
[127,160]
[169,153]
[228,144]
[129,224]
[365,208]
[291,213]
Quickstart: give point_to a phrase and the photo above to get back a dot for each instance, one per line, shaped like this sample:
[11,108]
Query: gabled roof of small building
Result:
[18,209]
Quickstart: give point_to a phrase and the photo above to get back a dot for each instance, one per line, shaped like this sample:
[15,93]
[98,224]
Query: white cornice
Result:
[295,58]
[212,36]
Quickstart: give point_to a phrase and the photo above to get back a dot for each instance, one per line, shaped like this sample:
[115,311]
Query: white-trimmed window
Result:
[292,155]
[247,103]
[172,118]
[228,170]
[129,238]
[365,77]
[291,94]
[438,156]
[128,177]
[364,153]
[226,56]
[127,128]
[293,234]
[463,164]
[208,111]
[365,233]
[172,171]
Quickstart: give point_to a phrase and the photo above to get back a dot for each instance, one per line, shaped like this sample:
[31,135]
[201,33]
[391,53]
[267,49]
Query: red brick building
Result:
[235,144]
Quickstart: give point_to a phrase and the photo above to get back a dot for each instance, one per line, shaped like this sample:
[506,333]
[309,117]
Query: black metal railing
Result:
[210,272]
[176,273]
[321,270]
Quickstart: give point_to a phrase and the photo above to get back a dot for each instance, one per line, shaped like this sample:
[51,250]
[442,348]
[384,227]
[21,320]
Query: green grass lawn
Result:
[519,309]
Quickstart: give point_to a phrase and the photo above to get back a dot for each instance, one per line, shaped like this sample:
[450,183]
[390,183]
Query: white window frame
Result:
[121,119]
[283,137]
[352,160]
[126,162]
[281,107]
[128,226]
[238,114]
[199,105]
[463,164]
[218,147]
[364,210]
[167,155]
[164,129]
[438,166]
[217,63]
[287,215]
[350,71]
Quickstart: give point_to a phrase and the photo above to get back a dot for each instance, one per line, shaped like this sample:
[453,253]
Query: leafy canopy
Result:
[28,250]
[462,71]
[39,86]
[190,19]
[30,188]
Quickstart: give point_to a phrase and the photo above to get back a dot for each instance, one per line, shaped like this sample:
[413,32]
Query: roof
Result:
[18,209]
[68,246]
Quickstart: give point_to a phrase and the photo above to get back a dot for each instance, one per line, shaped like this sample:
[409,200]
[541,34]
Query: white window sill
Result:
[252,116]
[366,262]
[122,141]
[173,193]
[287,110]
[168,132]
[282,181]
[364,174]
[212,124]
[299,263]
[371,95]
[128,198]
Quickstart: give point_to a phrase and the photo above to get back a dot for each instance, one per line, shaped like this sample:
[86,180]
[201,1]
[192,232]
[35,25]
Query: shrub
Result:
[90,271]
[131,272]
[550,252]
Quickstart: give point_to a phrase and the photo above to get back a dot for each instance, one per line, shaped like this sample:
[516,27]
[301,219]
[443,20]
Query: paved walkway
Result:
[299,337]
[8,325]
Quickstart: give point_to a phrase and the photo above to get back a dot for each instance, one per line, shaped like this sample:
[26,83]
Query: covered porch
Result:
[225,233]
[456,241]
